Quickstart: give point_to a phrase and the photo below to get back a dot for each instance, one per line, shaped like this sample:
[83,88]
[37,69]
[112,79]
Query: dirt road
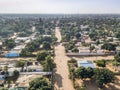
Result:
[62,81]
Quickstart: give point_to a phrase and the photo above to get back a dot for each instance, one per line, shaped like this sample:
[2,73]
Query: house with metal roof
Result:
[12,54]
[85,63]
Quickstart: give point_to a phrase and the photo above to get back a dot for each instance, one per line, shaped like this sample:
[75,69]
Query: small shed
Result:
[85,63]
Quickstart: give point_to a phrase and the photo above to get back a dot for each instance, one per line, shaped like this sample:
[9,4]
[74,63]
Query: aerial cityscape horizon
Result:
[59,44]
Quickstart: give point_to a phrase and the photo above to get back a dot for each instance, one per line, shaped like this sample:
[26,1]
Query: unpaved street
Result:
[62,81]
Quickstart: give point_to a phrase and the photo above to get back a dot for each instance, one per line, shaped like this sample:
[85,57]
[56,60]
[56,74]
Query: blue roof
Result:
[12,55]
[86,64]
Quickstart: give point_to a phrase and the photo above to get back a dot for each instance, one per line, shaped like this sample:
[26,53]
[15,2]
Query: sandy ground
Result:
[95,58]
[24,80]
[13,59]
[61,79]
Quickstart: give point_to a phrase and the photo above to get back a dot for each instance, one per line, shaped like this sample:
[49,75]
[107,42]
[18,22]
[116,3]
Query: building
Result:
[12,54]
[11,70]
[22,38]
[85,63]
[15,52]
[33,66]
[18,48]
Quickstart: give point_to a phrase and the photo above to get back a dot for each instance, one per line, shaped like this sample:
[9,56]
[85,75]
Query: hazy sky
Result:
[60,6]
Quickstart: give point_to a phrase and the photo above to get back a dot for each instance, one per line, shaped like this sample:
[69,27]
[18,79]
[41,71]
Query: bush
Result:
[101,63]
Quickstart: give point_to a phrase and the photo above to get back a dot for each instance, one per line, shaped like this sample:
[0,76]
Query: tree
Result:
[16,73]
[25,53]
[41,55]
[81,72]
[40,84]
[117,57]
[75,50]
[31,48]
[67,37]
[109,46]
[91,48]
[103,76]
[6,70]
[101,63]
[46,45]
[77,35]
[20,63]
[117,34]
[90,72]
[93,34]
[49,64]
[9,43]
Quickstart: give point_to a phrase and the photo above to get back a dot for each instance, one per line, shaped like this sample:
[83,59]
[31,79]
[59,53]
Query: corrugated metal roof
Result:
[86,64]
[12,54]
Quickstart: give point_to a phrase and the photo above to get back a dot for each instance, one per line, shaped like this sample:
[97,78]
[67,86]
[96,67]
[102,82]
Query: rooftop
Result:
[85,63]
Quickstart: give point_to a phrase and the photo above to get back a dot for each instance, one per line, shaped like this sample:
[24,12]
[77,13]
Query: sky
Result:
[60,6]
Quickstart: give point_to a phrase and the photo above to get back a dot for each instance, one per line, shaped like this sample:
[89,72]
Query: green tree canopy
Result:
[41,55]
[101,63]
[9,43]
[103,76]
[117,57]
[40,84]
[49,64]
[46,45]
[109,46]
[20,63]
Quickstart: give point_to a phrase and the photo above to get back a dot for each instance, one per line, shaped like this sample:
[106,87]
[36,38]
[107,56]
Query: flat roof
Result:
[85,63]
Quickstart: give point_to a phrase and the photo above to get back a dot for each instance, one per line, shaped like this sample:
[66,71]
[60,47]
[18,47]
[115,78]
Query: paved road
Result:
[62,81]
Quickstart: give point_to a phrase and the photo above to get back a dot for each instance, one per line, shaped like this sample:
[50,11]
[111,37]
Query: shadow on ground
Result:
[58,80]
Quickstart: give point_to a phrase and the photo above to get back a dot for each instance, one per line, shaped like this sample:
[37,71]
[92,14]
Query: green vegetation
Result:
[117,57]
[103,76]
[42,55]
[9,43]
[2,88]
[92,48]
[109,46]
[16,73]
[49,64]
[83,73]
[40,84]
[101,63]
[20,63]
[46,45]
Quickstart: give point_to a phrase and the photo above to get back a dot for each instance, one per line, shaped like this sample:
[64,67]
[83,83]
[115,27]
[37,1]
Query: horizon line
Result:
[64,13]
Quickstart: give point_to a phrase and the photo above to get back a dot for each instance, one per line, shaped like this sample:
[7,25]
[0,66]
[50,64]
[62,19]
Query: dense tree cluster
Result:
[101,63]
[109,46]
[101,76]
[46,60]
[40,84]
[9,43]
